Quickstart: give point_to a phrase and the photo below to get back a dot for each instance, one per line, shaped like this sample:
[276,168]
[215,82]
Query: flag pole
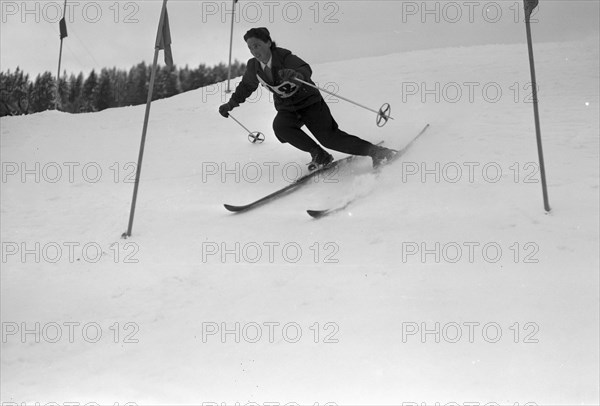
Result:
[230,46]
[529,6]
[63,34]
[57,95]
[146,117]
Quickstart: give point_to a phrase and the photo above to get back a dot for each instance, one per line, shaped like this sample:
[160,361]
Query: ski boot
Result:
[382,156]
[320,159]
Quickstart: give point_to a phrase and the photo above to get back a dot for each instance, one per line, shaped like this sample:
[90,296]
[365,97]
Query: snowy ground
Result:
[447,283]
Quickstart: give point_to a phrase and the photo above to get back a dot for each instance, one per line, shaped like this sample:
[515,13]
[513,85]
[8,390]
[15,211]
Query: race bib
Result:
[284,90]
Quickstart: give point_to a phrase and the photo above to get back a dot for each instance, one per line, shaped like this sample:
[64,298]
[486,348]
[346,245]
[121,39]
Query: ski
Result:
[303,180]
[317,214]
[291,187]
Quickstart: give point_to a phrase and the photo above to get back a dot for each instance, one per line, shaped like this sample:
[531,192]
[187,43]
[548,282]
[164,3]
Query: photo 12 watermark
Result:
[67,403]
[467,403]
[290,332]
[270,12]
[464,12]
[70,172]
[217,93]
[52,252]
[92,12]
[269,252]
[469,172]
[69,332]
[271,172]
[268,403]
[454,92]
[469,252]
[471,332]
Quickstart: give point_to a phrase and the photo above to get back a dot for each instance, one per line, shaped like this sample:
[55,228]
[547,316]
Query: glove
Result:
[288,75]
[224,109]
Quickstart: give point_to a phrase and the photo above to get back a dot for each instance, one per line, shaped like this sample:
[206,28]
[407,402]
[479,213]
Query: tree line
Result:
[105,89]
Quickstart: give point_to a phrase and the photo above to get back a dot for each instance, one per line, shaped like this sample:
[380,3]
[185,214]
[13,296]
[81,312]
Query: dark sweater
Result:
[282,59]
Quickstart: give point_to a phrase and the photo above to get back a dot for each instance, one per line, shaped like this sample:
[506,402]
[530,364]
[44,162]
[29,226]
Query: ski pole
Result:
[253,137]
[383,115]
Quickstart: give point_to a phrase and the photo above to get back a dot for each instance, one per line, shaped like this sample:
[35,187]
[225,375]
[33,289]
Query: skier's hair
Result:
[261,33]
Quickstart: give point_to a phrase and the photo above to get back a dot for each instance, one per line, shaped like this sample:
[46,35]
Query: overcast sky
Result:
[108,33]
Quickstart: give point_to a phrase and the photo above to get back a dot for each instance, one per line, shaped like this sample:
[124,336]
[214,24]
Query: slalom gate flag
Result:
[63,28]
[164,41]
[530,5]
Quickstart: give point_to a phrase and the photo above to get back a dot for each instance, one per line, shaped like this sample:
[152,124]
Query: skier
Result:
[296,105]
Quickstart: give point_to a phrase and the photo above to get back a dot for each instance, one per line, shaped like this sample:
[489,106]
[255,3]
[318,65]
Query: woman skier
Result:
[296,105]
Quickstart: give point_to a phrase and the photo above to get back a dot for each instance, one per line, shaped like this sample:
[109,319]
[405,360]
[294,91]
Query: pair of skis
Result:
[295,185]
[298,183]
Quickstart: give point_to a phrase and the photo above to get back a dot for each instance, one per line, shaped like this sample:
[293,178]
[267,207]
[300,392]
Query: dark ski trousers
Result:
[317,118]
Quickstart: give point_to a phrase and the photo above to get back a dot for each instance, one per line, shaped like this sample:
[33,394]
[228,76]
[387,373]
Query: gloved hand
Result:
[224,109]
[288,75]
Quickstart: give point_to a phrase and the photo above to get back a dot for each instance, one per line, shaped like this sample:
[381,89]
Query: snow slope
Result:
[450,289]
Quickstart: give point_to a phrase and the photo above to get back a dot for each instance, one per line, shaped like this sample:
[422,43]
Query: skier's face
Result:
[259,49]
